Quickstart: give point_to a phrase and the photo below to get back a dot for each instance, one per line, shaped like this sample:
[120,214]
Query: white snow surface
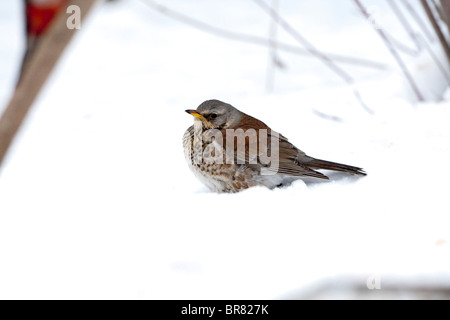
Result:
[97,202]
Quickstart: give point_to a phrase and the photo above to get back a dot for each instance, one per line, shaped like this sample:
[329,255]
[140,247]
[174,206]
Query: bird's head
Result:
[215,114]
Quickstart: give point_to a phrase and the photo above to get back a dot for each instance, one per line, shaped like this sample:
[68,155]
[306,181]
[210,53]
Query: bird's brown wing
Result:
[292,161]
[288,163]
[287,160]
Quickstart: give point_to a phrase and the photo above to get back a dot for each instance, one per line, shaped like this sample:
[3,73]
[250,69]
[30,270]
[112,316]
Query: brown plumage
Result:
[248,165]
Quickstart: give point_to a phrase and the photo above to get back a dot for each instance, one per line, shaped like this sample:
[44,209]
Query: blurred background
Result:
[97,202]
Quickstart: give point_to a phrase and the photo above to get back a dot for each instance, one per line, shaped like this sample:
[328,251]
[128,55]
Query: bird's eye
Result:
[213,115]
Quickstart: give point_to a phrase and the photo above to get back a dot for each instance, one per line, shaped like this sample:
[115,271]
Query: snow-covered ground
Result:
[96,200]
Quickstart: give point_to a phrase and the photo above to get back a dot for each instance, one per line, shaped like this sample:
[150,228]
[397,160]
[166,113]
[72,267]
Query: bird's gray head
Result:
[216,114]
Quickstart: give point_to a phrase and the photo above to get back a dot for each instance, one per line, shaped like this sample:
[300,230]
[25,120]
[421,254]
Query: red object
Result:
[40,13]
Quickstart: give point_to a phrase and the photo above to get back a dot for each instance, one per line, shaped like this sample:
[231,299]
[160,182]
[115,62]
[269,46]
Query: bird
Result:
[227,150]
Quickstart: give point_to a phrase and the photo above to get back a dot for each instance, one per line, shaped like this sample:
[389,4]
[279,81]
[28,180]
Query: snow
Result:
[96,200]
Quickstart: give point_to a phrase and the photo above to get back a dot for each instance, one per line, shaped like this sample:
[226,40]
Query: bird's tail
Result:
[328,165]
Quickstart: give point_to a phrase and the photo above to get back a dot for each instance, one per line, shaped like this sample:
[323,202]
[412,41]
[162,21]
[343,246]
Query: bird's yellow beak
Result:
[196,114]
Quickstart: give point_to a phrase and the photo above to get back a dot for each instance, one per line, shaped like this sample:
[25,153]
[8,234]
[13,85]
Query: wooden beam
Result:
[46,55]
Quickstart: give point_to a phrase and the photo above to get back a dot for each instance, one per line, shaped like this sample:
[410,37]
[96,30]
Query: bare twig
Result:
[418,39]
[35,74]
[419,20]
[402,47]
[394,53]
[399,45]
[255,39]
[445,5]
[304,42]
[314,51]
[436,27]
[327,116]
[272,64]
[438,9]
[412,34]
[436,59]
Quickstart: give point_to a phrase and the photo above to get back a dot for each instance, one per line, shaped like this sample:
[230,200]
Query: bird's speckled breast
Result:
[217,177]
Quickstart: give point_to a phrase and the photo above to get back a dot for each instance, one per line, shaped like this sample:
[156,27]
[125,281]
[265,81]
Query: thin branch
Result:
[314,51]
[399,45]
[438,9]
[273,59]
[412,34]
[305,43]
[255,39]
[394,53]
[402,47]
[436,59]
[436,27]
[445,5]
[418,39]
[419,20]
